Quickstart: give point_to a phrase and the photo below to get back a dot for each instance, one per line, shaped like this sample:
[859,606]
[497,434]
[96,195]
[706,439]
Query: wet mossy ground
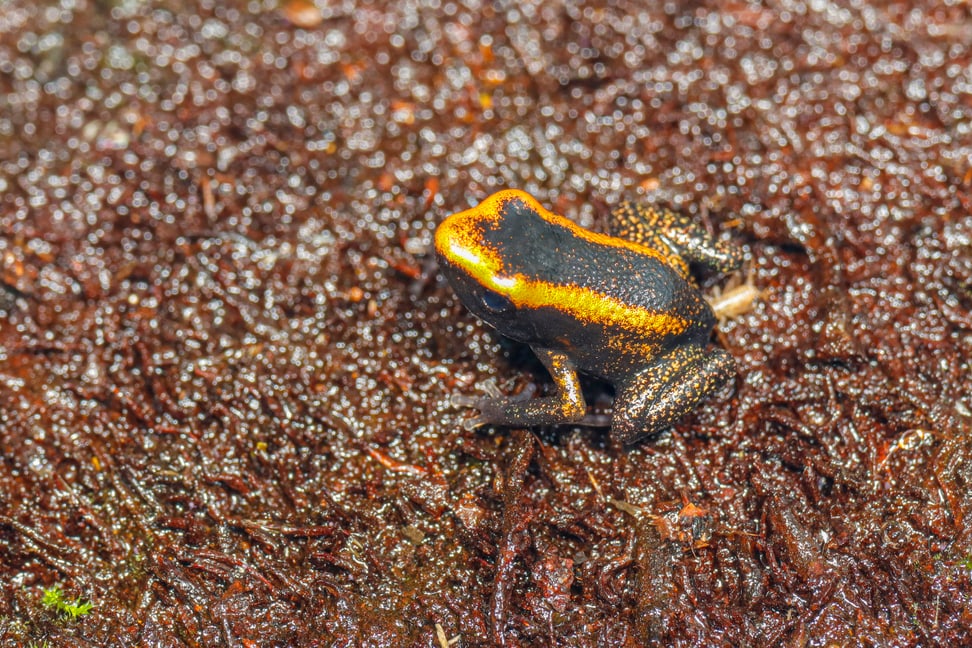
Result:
[226,356]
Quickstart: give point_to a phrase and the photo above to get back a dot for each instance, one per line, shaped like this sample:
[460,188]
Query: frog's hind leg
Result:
[661,228]
[667,390]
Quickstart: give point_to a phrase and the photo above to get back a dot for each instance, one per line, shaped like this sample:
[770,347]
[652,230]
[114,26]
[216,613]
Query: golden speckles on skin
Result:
[645,223]
[675,236]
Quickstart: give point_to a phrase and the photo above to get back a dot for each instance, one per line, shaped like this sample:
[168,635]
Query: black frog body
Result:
[621,306]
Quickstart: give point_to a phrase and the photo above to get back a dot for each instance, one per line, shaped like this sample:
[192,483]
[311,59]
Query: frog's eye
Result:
[495,302]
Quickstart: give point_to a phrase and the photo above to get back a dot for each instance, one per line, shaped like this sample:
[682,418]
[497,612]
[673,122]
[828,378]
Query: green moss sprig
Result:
[53,599]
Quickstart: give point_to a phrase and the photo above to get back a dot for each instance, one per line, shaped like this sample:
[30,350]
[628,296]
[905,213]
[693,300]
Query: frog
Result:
[622,306]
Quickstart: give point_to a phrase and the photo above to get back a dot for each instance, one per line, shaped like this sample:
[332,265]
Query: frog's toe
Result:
[473,423]
[490,410]
[492,395]
[490,388]
[462,400]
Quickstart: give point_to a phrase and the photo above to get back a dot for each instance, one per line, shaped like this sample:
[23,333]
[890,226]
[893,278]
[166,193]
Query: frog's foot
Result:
[664,392]
[522,410]
[488,387]
[488,404]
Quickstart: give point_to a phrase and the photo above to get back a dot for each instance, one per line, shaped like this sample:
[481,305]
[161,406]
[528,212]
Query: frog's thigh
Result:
[566,406]
[662,229]
[664,392]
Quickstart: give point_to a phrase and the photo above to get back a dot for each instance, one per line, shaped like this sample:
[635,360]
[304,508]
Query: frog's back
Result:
[573,265]
[608,301]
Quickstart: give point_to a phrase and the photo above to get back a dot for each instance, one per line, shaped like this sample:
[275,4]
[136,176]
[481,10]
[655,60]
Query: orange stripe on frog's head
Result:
[462,242]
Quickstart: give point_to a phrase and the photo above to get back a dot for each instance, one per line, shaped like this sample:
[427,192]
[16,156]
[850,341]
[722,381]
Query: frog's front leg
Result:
[566,406]
[656,397]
